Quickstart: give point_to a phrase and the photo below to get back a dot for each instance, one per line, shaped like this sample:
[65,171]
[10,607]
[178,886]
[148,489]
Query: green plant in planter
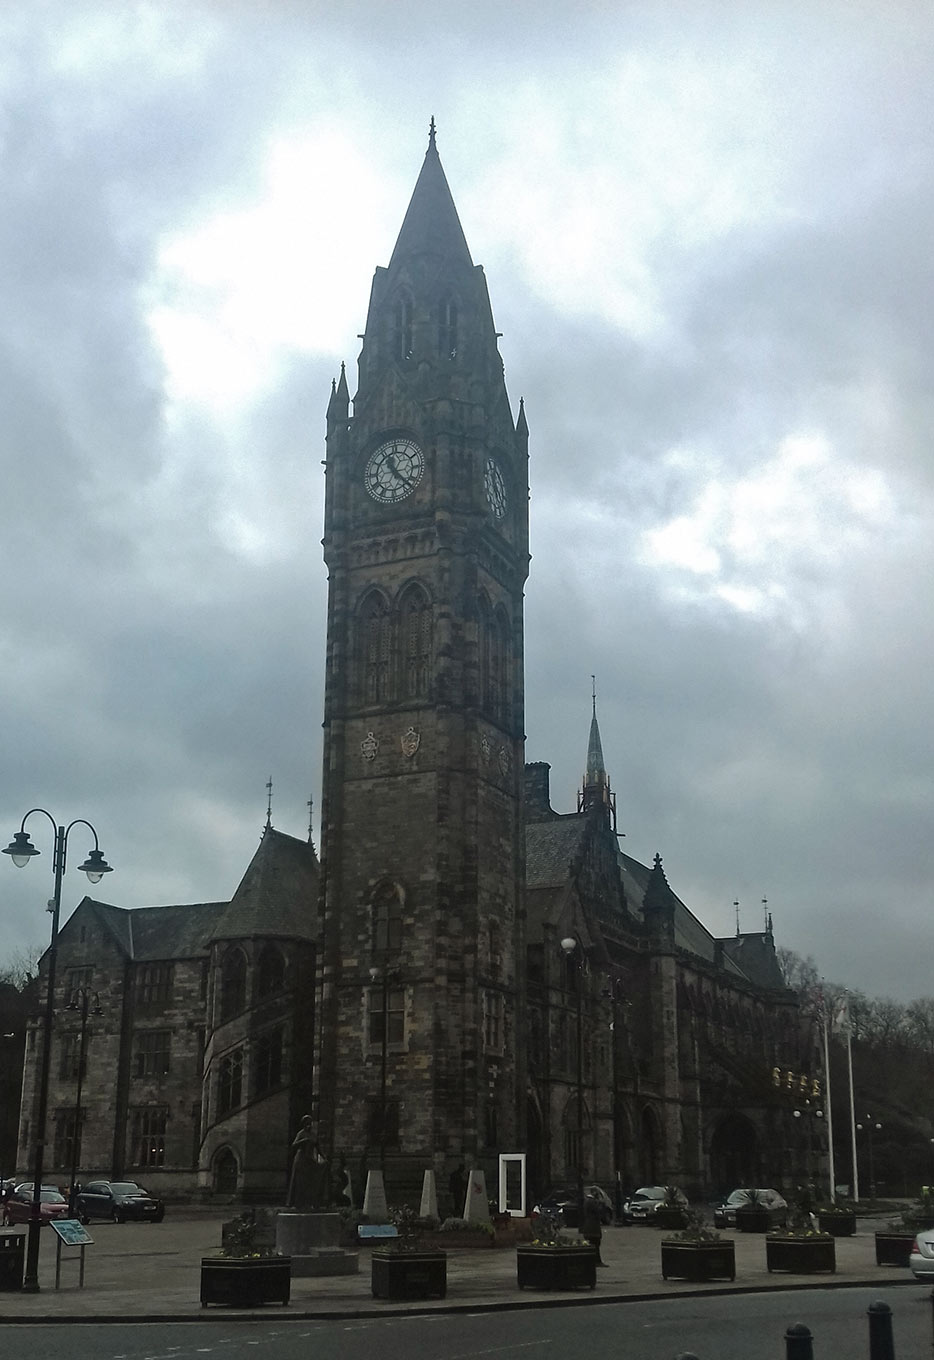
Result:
[409,1229]
[248,1272]
[241,1238]
[403,1268]
[698,1253]
[695,1229]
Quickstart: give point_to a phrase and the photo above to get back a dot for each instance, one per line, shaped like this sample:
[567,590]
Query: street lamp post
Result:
[83,1006]
[571,951]
[21,851]
[869,1126]
[614,992]
[810,1114]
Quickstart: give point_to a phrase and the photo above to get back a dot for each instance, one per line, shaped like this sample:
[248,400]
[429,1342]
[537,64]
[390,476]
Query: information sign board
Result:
[72,1232]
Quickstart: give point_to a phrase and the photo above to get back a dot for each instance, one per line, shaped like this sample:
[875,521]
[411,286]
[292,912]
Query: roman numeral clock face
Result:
[394,471]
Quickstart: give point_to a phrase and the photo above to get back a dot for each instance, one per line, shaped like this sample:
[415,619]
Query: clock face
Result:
[494,485]
[394,470]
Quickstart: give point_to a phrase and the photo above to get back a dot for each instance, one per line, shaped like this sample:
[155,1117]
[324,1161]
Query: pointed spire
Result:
[596,770]
[431,225]
[596,792]
[268,803]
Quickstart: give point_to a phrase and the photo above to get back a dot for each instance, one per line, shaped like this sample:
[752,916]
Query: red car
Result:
[18,1208]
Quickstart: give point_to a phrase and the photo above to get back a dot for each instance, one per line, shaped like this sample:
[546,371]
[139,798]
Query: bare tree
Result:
[21,966]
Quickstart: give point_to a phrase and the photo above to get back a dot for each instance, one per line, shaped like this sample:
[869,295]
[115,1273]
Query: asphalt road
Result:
[729,1327]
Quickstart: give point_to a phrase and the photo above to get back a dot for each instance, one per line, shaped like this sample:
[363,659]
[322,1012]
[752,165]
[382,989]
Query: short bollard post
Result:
[799,1344]
[881,1344]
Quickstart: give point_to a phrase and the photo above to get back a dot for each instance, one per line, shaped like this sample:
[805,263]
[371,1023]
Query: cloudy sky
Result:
[707,234]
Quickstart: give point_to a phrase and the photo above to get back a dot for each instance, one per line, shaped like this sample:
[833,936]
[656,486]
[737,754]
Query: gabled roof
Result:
[278,894]
[550,848]
[146,934]
[755,955]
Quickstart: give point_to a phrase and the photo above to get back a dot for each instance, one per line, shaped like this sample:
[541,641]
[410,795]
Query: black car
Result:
[119,1201]
[562,1205]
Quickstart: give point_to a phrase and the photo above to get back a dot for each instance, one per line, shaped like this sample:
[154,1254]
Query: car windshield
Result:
[738,1197]
[51,1197]
[650,1192]
[126,1188]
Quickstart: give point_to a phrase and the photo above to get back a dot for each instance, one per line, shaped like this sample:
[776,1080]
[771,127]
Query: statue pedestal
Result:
[313,1242]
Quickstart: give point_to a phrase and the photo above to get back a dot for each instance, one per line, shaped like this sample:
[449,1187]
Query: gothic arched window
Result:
[375,648]
[447,329]
[415,643]
[387,919]
[270,971]
[233,984]
[402,328]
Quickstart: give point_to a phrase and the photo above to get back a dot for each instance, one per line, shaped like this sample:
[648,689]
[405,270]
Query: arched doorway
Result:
[735,1157]
[225,1172]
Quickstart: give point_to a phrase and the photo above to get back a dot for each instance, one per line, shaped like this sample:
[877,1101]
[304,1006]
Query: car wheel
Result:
[118,1216]
[159,1216]
[83,1217]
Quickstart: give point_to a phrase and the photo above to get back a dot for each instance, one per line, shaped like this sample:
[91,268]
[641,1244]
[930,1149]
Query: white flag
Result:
[841,1018]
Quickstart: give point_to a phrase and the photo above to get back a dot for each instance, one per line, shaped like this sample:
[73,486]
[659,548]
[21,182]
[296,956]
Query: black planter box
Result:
[893,1248]
[698,1261]
[409,1274]
[556,1267]
[245,1281]
[838,1225]
[801,1255]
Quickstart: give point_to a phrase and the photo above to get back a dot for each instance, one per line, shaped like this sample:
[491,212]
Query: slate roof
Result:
[278,894]
[150,933]
[755,955]
[549,849]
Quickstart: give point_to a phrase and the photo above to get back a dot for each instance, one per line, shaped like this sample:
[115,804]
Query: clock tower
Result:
[421,994]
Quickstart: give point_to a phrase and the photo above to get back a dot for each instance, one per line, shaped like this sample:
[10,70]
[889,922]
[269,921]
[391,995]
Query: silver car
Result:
[648,1199]
[921,1259]
[724,1215]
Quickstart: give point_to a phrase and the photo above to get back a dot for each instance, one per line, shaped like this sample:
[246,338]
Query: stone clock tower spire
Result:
[420,998]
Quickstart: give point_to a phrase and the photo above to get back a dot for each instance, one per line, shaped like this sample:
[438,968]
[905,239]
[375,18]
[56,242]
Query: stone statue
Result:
[308,1178]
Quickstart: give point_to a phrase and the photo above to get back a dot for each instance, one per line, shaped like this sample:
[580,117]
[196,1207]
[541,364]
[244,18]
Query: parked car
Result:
[724,1215]
[645,1201]
[17,1207]
[562,1205]
[119,1201]
[921,1260]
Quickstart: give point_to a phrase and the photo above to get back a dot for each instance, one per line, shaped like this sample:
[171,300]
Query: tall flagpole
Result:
[833,1177]
[844,1018]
